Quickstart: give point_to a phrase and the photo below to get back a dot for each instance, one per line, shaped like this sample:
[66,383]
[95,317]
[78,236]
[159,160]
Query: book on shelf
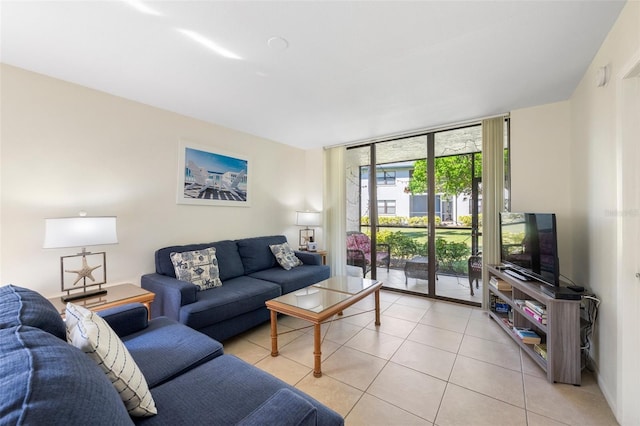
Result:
[527,335]
[542,319]
[541,349]
[507,322]
[536,306]
[499,284]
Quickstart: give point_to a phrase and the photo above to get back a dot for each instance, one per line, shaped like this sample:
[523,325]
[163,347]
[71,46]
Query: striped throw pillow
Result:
[90,333]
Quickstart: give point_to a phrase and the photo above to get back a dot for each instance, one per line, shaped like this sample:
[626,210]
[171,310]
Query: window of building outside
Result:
[386,178]
[387,207]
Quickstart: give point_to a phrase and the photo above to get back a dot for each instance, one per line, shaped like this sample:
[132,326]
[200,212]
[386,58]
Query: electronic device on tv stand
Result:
[561,292]
[529,246]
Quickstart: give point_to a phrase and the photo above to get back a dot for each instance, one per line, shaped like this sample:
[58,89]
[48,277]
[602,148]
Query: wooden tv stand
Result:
[561,333]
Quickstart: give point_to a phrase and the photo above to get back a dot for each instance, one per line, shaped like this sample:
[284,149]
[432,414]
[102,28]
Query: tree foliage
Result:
[418,181]
[452,174]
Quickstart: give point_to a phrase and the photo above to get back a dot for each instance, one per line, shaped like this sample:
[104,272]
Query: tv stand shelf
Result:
[561,332]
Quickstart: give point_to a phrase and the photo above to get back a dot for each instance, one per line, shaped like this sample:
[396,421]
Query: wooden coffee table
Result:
[319,302]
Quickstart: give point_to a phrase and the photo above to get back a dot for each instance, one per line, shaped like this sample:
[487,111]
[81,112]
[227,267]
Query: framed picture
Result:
[81,271]
[210,177]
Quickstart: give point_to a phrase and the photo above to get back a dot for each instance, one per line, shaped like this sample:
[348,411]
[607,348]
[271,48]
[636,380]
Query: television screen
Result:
[529,244]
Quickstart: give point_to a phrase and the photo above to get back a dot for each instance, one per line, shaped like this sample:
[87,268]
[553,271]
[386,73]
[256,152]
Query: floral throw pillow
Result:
[199,267]
[285,256]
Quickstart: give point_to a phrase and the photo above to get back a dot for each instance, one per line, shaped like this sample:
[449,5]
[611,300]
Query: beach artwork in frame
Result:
[211,177]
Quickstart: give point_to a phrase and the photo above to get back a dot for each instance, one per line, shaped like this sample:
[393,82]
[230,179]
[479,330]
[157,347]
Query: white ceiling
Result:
[352,70]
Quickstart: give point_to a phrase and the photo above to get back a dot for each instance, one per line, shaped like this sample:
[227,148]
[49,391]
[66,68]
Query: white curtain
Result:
[492,195]
[335,216]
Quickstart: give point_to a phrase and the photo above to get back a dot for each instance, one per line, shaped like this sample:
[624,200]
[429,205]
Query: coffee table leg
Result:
[274,333]
[377,297]
[317,353]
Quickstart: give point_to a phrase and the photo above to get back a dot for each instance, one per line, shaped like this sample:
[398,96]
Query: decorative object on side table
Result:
[307,235]
[81,231]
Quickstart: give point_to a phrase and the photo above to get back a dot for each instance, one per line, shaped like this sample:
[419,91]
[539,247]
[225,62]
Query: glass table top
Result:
[325,294]
[350,285]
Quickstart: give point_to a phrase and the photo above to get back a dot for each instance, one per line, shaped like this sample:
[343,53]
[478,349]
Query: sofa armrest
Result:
[309,258]
[126,319]
[171,294]
[283,408]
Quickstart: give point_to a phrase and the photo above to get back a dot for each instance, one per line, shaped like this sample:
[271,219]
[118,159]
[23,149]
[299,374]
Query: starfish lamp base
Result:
[82,275]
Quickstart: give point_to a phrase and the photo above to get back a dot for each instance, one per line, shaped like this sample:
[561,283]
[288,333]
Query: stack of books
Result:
[527,335]
[536,310]
[499,284]
[541,349]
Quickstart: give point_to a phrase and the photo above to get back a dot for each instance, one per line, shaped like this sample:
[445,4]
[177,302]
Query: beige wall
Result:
[66,148]
[581,182]
[541,169]
[595,129]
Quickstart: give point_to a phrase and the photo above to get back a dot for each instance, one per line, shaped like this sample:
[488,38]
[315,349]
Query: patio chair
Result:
[359,252]
[475,270]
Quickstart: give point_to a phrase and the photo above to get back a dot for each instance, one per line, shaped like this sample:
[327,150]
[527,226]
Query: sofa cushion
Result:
[234,386]
[283,408]
[166,349]
[229,261]
[235,297]
[44,380]
[21,306]
[256,254]
[296,278]
[285,256]
[90,333]
[199,267]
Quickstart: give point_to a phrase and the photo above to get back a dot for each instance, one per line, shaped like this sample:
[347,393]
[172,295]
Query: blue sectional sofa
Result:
[250,276]
[45,380]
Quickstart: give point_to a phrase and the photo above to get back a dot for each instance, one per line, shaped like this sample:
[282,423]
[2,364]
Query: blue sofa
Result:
[45,380]
[250,276]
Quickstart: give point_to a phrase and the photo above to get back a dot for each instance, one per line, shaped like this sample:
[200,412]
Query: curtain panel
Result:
[492,195]
[335,212]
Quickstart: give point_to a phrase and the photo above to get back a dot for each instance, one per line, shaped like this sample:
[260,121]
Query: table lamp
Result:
[81,231]
[307,235]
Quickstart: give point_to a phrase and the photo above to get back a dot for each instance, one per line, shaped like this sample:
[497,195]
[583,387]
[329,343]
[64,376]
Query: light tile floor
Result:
[429,362]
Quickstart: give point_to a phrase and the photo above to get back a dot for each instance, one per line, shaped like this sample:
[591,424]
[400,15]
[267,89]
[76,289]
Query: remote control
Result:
[576,288]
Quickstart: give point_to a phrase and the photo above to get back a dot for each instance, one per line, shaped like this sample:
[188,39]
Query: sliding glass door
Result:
[414,213]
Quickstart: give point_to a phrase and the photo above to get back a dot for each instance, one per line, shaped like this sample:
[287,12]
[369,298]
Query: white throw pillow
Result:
[90,333]
[285,255]
[199,267]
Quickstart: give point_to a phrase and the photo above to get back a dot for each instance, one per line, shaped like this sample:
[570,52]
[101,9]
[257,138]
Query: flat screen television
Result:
[529,245]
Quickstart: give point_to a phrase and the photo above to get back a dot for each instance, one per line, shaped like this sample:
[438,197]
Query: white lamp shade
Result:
[80,231]
[308,219]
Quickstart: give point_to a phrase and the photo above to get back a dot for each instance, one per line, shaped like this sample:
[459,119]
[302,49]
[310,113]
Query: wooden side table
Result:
[117,295]
[322,253]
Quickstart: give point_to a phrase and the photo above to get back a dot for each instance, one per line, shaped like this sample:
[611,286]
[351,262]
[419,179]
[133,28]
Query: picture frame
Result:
[212,177]
[307,235]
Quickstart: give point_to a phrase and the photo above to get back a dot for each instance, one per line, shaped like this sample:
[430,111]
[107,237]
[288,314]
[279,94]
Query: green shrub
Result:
[466,220]
[451,255]
[418,221]
[391,220]
[401,245]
